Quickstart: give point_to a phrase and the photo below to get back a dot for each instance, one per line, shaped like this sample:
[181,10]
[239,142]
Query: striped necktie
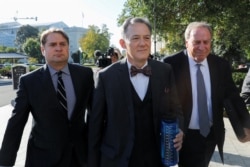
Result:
[61,93]
[202,103]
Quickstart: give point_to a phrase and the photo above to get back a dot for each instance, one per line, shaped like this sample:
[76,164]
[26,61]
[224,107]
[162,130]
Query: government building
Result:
[9,30]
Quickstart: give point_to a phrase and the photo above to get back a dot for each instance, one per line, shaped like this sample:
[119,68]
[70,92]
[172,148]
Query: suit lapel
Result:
[183,81]
[49,87]
[47,82]
[215,88]
[155,80]
[213,71]
[124,81]
[157,88]
[76,85]
[186,76]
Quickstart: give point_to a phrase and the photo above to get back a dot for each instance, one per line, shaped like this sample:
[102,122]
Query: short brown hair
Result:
[44,35]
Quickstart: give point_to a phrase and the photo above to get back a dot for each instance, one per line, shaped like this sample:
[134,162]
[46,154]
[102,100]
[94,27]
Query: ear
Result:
[122,43]
[186,44]
[42,50]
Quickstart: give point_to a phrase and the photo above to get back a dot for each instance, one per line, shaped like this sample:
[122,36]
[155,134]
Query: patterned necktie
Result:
[61,94]
[202,104]
[146,71]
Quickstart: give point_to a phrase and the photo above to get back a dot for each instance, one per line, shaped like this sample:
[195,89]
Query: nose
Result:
[202,45]
[142,41]
[58,47]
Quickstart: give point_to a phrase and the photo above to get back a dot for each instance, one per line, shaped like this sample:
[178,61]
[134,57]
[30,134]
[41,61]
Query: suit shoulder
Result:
[219,60]
[160,65]
[110,69]
[34,72]
[80,67]
[173,57]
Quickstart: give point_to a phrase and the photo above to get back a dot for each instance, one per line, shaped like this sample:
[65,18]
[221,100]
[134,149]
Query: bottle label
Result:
[169,155]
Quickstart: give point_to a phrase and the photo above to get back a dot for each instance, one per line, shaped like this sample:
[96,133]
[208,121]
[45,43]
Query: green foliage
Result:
[238,78]
[24,33]
[95,39]
[5,70]
[32,67]
[7,49]
[229,18]
[31,47]
[32,60]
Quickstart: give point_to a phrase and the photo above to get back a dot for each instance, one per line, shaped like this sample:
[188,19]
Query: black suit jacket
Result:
[53,135]
[222,88]
[111,133]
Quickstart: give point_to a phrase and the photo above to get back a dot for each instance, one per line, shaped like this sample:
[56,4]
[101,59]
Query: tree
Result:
[95,39]
[76,56]
[8,49]
[231,25]
[23,33]
[32,48]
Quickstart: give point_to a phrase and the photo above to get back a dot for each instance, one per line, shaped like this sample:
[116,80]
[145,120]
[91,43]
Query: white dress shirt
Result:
[194,122]
[140,82]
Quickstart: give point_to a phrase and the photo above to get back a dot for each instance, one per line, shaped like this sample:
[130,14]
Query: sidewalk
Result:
[236,154]
[5,81]
[5,113]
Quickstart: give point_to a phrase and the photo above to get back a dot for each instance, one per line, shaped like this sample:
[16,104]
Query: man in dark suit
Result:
[124,125]
[197,148]
[58,136]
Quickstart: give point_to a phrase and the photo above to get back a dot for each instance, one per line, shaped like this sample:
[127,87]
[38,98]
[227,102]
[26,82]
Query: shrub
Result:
[238,78]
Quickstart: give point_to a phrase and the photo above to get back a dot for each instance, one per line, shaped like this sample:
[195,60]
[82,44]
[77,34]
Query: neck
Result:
[137,64]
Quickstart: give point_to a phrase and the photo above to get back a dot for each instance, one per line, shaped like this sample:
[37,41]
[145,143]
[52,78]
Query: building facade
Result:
[9,30]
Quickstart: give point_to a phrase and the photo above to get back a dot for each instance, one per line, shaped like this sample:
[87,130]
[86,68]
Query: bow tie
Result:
[146,71]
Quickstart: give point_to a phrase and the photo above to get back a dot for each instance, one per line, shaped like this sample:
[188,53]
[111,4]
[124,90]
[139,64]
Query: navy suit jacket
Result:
[111,123]
[53,135]
[222,88]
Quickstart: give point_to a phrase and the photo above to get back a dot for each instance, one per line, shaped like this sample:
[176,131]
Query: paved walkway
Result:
[236,154]
[4,80]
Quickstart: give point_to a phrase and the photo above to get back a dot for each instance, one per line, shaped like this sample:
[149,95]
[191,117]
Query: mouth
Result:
[59,55]
[144,50]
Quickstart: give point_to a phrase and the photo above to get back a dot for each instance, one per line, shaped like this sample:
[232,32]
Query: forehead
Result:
[55,37]
[138,29]
[200,33]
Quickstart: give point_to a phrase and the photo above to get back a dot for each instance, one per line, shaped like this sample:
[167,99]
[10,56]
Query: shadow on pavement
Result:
[231,159]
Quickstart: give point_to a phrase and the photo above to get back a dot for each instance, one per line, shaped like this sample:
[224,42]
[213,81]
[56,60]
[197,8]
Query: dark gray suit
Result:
[222,88]
[112,122]
[53,138]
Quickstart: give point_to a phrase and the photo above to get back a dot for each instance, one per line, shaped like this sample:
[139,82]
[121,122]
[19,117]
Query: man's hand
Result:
[247,137]
[178,140]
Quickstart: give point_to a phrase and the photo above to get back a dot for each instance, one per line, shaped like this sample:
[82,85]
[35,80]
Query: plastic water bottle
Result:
[169,155]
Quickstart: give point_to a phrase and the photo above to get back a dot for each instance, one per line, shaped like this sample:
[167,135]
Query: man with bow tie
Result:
[131,98]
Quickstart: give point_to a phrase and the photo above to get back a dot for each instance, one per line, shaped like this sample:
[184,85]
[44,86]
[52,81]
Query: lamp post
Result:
[154,29]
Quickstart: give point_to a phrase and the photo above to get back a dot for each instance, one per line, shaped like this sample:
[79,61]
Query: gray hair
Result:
[131,21]
[194,25]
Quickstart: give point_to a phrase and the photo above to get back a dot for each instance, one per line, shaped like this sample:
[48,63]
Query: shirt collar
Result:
[193,63]
[129,64]
[65,70]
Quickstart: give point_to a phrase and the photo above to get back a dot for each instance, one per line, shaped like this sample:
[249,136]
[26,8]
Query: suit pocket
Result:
[44,144]
[108,151]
